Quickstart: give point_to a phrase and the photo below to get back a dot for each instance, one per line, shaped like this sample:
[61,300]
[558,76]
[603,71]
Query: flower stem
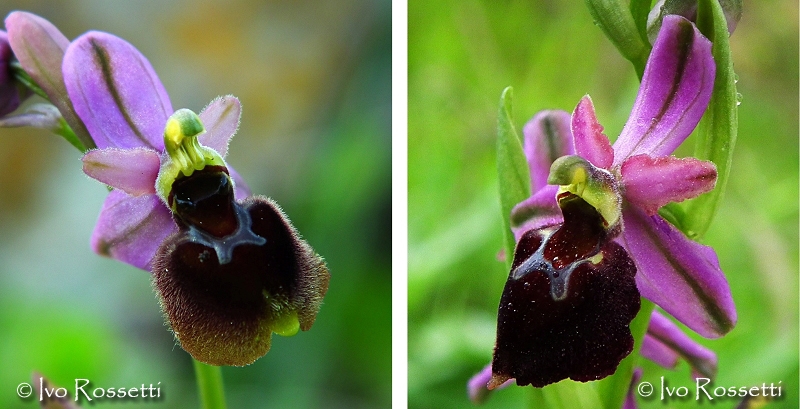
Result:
[26,80]
[209,385]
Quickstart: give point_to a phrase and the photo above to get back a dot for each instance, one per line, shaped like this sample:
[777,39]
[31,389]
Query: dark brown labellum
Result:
[224,296]
[567,305]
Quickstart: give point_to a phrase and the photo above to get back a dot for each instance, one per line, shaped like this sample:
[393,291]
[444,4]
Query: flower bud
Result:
[688,9]
[11,93]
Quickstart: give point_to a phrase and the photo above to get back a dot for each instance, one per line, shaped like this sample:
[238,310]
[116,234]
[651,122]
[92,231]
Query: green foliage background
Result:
[461,56]
[314,81]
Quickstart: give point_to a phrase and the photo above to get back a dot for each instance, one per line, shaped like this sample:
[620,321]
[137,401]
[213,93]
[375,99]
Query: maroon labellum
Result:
[234,272]
[567,305]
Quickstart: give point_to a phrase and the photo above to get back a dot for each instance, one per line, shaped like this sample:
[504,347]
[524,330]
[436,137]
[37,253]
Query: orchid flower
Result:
[229,268]
[588,197]
[680,275]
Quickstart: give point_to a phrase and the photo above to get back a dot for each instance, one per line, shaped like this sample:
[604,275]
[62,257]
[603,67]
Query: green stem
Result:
[209,385]
[67,133]
[23,78]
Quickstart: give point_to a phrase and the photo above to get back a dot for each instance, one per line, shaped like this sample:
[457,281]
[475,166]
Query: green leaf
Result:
[566,394]
[512,170]
[614,388]
[716,133]
[640,9]
[615,19]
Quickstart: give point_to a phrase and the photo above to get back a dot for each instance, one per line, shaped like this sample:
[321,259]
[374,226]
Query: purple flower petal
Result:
[630,399]
[538,211]
[44,116]
[666,336]
[477,386]
[678,274]
[116,92]
[656,351]
[132,170]
[131,229]
[675,91]
[590,142]
[547,137]
[39,47]
[240,188]
[653,182]
[9,96]
[221,120]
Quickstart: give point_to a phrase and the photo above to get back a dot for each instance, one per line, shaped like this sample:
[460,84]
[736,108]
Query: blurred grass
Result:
[461,56]
[314,81]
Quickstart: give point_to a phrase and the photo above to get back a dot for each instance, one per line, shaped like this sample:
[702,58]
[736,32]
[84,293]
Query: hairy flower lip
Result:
[567,303]
[224,314]
[584,335]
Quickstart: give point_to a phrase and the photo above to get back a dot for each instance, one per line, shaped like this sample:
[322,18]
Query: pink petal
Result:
[133,171]
[131,229]
[668,335]
[10,92]
[590,142]
[477,385]
[653,182]
[240,188]
[547,137]
[43,115]
[221,120]
[538,211]
[116,92]
[656,351]
[40,47]
[630,399]
[681,276]
[674,93]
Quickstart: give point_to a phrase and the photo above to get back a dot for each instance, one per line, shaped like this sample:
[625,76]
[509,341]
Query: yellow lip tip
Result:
[287,324]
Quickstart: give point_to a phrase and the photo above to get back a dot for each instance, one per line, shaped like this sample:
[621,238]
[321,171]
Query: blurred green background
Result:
[314,81]
[462,53]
